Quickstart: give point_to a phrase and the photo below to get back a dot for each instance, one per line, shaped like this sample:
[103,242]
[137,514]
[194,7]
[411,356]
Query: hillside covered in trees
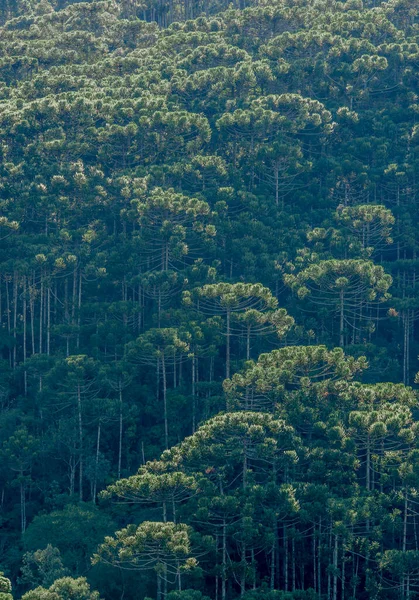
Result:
[209,295]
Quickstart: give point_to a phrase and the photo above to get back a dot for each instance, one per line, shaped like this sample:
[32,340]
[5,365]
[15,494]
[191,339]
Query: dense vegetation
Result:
[208,299]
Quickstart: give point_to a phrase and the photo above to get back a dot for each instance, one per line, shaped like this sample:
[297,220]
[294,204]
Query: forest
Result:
[209,300]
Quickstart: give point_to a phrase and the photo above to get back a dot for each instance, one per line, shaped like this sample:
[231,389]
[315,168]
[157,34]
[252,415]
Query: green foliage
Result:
[64,588]
[152,486]
[205,207]
[186,595]
[75,531]
[265,594]
[343,285]
[163,547]
[5,588]
[42,567]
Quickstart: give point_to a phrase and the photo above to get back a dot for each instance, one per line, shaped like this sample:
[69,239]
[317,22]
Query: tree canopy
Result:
[209,299]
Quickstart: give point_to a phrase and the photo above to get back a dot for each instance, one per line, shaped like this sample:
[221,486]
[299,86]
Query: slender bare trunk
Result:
[228,334]
[72,465]
[120,432]
[193,395]
[48,320]
[25,375]
[224,562]
[22,506]
[314,559]
[158,586]
[96,462]
[79,310]
[319,561]
[273,563]
[15,286]
[285,558]
[32,311]
[8,315]
[80,422]
[73,301]
[342,593]
[41,314]
[405,521]
[166,423]
[335,568]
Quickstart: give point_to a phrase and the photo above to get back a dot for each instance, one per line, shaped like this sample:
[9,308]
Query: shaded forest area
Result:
[209,300]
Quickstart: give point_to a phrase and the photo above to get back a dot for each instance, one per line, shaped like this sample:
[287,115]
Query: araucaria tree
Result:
[351,289]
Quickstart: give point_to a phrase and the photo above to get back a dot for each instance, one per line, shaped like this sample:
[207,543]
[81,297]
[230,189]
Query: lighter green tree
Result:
[349,288]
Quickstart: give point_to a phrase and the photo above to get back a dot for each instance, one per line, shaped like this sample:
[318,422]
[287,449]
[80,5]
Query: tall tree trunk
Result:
[48,320]
[25,374]
[224,561]
[73,301]
[96,461]
[342,593]
[335,568]
[228,335]
[252,553]
[285,557]
[179,577]
[319,561]
[193,394]
[273,565]
[32,312]
[314,560]
[243,570]
[41,313]
[217,578]
[72,466]
[8,314]
[406,319]
[329,579]
[341,320]
[79,309]
[368,465]
[166,423]
[80,423]
[405,515]
[120,431]
[15,287]
[22,505]
[158,586]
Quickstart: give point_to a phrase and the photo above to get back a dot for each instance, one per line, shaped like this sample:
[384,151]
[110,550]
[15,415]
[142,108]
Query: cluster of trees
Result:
[208,231]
